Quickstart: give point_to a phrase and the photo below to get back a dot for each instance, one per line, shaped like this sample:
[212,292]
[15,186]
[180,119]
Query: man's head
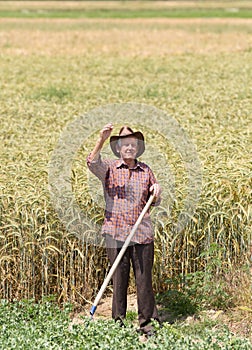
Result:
[128,144]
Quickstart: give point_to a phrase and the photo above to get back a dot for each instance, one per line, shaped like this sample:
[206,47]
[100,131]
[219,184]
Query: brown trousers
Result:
[141,256]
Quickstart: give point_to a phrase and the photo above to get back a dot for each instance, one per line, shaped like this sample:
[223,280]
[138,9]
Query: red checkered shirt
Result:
[126,192]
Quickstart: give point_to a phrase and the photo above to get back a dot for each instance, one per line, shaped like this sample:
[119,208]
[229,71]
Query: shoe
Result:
[120,322]
[148,333]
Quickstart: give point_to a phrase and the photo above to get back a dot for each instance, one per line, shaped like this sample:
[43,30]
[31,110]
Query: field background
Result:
[54,69]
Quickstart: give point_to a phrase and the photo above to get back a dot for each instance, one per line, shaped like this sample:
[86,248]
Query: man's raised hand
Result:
[106,131]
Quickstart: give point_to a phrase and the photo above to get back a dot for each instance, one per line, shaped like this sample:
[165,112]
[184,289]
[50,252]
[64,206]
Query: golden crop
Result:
[52,71]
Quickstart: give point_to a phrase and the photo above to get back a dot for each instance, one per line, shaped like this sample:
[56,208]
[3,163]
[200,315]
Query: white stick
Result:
[120,255]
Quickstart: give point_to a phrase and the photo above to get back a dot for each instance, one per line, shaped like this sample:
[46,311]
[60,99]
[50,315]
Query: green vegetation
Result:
[128,13]
[126,9]
[26,325]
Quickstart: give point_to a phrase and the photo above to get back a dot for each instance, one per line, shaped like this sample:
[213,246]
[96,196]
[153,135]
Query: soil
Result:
[238,321]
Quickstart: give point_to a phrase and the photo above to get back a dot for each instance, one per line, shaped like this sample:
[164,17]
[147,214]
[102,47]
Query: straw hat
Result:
[126,131]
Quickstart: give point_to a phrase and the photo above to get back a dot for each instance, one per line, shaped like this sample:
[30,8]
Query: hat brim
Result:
[138,135]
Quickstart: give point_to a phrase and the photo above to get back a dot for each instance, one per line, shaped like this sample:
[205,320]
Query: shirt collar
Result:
[122,164]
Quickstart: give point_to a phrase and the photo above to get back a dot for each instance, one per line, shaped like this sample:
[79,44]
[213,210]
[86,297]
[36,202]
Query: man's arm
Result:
[104,135]
[94,162]
[155,189]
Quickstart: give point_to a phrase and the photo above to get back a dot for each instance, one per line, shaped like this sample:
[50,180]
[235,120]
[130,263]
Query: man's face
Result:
[128,148]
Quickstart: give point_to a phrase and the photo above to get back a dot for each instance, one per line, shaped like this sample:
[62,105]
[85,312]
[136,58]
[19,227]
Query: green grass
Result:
[52,93]
[25,325]
[129,13]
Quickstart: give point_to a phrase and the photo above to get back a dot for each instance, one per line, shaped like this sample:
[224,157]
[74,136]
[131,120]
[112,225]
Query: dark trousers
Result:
[141,256]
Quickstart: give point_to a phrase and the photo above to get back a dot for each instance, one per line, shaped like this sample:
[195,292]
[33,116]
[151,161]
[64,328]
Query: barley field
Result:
[53,70]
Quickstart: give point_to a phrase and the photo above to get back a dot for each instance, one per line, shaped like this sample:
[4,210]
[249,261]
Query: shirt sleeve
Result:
[152,182]
[98,167]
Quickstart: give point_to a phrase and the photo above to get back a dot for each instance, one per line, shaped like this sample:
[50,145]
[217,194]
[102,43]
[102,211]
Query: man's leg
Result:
[120,281]
[142,259]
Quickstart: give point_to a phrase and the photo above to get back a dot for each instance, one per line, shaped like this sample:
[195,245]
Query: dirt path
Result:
[238,321]
[231,21]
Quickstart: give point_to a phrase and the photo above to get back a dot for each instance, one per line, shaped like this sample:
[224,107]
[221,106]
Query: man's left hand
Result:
[156,190]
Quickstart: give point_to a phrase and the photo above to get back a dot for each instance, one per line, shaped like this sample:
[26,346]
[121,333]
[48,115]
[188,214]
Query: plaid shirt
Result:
[126,192]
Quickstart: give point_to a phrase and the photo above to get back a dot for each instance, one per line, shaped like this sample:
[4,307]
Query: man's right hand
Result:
[104,134]
[106,131]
